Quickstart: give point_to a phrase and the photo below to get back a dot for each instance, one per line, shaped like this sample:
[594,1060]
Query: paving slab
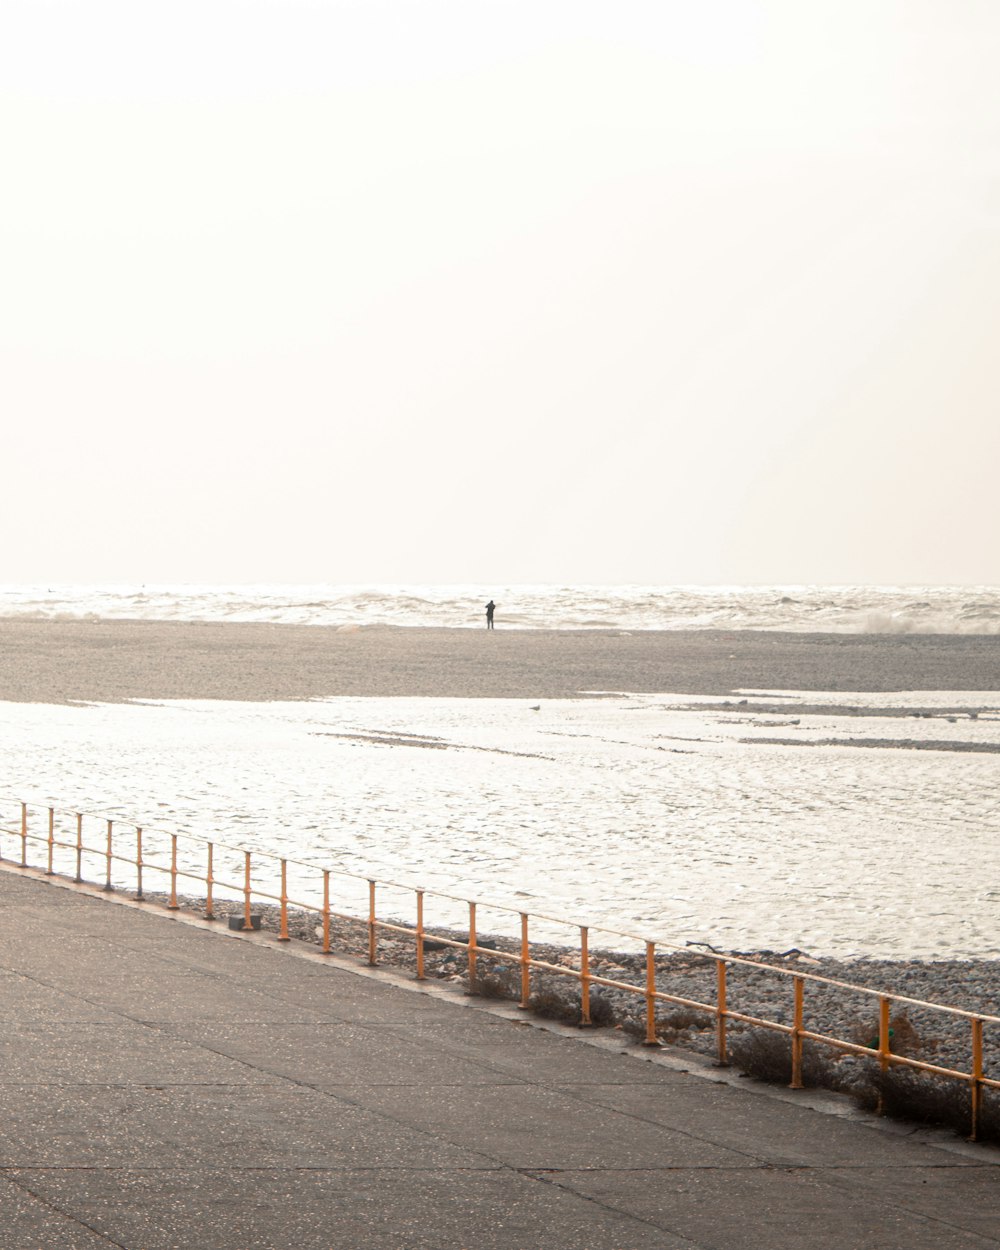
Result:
[25,999]
[325,988]
[164,1083]
[529,1126]
[764,1209]
[28,1221]
[347,1210]
[966,1198]
[784,1134]
[211,1126]
[513,1046]
[329,1055]
[123,1052]
[342,995]
[188,998]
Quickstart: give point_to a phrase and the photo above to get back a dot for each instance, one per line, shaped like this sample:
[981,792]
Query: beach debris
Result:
[238,921]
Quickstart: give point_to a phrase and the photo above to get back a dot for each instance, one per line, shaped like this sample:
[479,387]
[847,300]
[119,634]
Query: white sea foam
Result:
[843,609]
[666,816]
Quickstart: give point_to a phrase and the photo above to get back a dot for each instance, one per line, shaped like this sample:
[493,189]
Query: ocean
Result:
[836,609]
[849,824]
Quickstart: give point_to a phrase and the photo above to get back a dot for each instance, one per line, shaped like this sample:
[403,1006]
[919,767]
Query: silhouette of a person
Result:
[490,607]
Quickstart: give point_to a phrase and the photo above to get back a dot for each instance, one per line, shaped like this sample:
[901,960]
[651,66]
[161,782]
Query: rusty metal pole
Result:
[326,911]
[976,1088]
[283,931]
[247,921]
[721,1048]
[138,863]
[372,934]
[472,948]
[796,1082]
[79,847]
[651,1038]
[420,935]
[24,835]
[173,904]
[209,882]
[525,964]
[584,977]
[109,856]
[884,1004]
[52,841]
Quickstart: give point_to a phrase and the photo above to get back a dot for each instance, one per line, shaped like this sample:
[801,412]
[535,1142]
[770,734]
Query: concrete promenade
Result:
[167,1085]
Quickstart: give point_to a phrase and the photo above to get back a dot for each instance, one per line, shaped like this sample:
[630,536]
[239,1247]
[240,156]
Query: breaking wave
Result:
[798,609]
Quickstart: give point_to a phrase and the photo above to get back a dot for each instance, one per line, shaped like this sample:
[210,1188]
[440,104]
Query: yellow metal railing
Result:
[58,839]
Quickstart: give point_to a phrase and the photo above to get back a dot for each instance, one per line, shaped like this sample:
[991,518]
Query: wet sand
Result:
[110,661]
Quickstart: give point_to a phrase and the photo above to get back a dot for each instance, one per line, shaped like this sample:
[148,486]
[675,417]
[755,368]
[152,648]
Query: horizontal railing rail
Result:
[53,840]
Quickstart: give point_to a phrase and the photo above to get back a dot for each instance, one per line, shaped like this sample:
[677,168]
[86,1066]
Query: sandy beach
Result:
[111,661]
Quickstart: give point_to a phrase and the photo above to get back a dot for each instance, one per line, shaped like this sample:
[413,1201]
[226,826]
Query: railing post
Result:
[138,863]
[651,1038]
[326,911]
[173,904]
[796,1082]
[883,1046]
[420,935]
[24,835]
[283,930]
[108,857]
[372,935]
[976,1088]
[472,948]
[209,883]
[52,841]
[525,964]
[247,922]
[721,1046]
[79,847]
[584,977]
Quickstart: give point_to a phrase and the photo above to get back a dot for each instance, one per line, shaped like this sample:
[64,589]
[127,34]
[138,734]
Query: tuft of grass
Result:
[634,1027]
[547,1002]
[902,1093]
[602,1012]
[500,983]
[768,1057]
[551,1005]
[685,1018]
[668,1026]
[905,1094]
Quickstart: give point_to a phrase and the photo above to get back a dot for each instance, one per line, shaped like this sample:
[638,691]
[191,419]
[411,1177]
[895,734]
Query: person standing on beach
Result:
[490,608]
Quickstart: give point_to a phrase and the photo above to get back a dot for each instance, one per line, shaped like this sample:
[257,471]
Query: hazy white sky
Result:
[483,290]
